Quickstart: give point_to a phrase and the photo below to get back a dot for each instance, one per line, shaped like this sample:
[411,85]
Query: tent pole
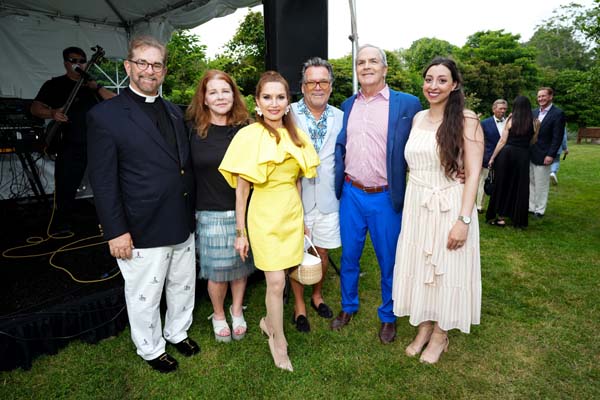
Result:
[354,39]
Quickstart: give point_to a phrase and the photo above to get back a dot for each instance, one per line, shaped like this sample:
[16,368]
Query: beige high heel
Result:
[421,340]
[432,355]
[281,360]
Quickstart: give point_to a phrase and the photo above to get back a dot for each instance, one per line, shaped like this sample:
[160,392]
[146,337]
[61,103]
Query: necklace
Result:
[437,121]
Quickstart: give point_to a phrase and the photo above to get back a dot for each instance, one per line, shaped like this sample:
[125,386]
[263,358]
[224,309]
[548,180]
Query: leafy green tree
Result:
[495,65]
[576,92]
[558,49]
[342,85]
[422,51]
[244,56]
[186,63]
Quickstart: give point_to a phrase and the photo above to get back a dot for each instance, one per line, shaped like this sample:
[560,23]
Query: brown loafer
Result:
[387,333]
[341,320]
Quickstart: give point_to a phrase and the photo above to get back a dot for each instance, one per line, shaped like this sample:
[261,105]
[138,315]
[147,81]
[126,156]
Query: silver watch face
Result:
[465,219]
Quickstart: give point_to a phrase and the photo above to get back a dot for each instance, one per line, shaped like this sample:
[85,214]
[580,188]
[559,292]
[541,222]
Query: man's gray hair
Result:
[498,102]
[316,62]
[381,52]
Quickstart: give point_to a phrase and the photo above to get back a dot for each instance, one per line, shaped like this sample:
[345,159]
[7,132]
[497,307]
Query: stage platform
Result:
[42,308]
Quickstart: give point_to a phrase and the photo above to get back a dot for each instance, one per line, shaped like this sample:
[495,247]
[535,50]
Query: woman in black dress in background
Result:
[510,161]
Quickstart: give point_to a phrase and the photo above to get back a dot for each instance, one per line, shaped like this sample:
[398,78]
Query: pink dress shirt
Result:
[367,139]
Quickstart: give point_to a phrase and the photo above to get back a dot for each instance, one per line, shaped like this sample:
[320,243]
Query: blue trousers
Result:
[361,212]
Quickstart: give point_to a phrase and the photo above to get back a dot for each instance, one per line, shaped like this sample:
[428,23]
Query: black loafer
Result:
[323,310]
[163,363]
[187,347]
[302,324]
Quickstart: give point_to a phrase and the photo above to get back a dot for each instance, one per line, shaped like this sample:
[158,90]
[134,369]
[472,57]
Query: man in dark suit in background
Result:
[141,173]
[492,130]
[543,151]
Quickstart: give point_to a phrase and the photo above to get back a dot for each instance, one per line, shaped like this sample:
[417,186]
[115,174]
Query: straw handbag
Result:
[309,271]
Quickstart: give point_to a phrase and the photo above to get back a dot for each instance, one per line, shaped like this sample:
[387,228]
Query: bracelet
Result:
[241,233]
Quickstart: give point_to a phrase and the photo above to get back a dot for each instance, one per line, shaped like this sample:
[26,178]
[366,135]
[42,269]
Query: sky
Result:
[395,24]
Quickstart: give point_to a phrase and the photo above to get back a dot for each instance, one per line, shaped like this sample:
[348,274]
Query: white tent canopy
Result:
[34,32]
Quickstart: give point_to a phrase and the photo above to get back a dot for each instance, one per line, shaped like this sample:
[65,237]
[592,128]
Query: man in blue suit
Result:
[141,173]
[370,179]
[543,151]
[492,130]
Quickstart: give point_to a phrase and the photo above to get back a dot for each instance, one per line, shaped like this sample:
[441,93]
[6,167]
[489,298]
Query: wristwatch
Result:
[465,219]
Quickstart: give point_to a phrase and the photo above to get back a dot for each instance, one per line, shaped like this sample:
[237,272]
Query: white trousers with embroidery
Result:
[145,275]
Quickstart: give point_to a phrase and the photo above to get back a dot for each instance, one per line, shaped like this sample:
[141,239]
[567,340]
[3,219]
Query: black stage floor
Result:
[42,307]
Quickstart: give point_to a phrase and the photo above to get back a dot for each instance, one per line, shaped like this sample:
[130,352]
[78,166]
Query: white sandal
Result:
[218,326]
[236,323]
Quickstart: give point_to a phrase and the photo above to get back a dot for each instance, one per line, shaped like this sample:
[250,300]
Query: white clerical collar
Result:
[148,99]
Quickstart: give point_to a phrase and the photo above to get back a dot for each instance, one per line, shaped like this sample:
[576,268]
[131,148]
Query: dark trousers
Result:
[69,168]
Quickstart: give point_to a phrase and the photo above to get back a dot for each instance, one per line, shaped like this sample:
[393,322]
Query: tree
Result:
[186,63]
[422,51]
[558,49]
[583,24]
[495,65]
[342,85]
[244,56]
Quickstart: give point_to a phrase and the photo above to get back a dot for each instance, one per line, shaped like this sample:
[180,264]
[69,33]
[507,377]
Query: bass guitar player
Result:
[70,149]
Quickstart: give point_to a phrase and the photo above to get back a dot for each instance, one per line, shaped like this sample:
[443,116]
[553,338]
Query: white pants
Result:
[539,184]
[145,275]
[480,192]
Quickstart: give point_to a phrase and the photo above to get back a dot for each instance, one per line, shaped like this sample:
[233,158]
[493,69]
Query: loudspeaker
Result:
[295,30]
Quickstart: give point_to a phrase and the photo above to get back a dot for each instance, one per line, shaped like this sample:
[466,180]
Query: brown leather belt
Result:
[367,189]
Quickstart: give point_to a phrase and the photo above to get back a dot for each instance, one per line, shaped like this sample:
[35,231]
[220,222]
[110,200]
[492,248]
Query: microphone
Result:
[81,72]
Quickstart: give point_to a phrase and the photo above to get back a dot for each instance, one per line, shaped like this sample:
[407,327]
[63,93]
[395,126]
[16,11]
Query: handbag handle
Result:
[307,239]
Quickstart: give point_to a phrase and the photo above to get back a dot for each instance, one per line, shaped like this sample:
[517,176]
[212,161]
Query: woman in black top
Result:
[510,161]
[215,115]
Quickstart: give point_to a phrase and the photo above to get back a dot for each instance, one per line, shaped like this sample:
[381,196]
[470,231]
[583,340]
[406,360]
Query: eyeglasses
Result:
[77,60]
[143,65]
[313,84]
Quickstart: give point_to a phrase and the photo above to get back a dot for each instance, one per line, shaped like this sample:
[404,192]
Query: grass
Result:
[538,336]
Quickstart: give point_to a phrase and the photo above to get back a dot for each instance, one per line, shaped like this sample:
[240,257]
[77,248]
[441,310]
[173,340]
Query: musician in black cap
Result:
[71,158]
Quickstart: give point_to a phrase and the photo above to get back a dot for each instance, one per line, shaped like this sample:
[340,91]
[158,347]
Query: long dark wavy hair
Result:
[522,117]
[199,113]
[288,119]
[450,133]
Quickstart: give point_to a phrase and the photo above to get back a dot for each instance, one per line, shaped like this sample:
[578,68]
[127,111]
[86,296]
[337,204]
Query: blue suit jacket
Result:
[491,137]
[141,185]
[403,108]
[552,130]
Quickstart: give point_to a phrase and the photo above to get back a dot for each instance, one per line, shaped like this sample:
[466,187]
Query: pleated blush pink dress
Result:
[432,283]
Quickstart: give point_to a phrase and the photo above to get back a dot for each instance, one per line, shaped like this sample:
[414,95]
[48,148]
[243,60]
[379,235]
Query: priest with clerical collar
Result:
[141,174]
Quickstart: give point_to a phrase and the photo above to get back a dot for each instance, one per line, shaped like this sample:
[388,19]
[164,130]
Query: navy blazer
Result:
[141,184]
[491,136]
[403,108]
[552,130]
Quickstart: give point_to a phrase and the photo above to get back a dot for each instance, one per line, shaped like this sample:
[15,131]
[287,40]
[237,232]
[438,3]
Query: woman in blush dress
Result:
[437,279]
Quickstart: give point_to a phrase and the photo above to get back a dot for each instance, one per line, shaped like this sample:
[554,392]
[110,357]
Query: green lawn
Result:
[539,335]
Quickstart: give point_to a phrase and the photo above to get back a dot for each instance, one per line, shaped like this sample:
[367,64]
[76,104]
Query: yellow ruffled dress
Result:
[275,214]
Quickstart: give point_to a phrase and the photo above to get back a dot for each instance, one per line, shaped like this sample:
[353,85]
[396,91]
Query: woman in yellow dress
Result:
[271,155]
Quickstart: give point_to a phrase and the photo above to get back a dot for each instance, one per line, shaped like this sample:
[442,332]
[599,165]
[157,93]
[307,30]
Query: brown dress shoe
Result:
[341,320]
[387,333]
